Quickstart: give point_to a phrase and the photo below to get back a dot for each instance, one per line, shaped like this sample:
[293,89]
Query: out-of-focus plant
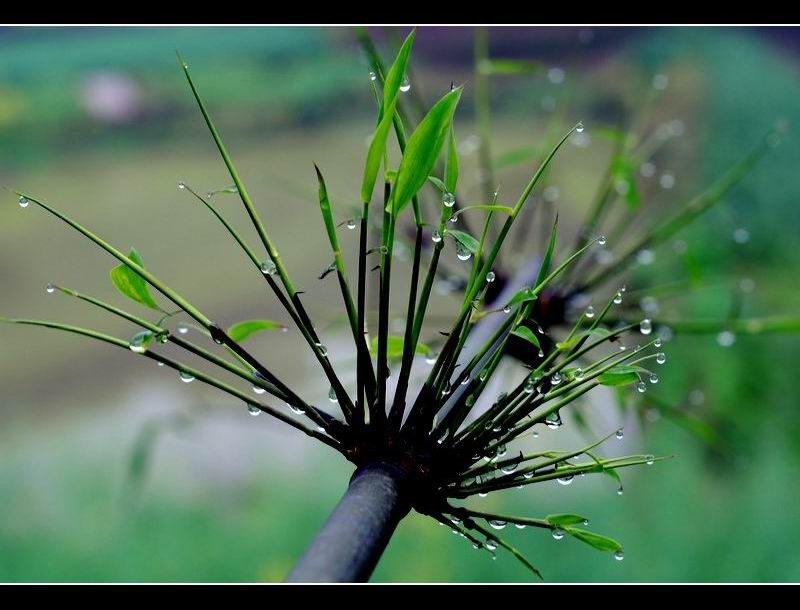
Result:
[435,434]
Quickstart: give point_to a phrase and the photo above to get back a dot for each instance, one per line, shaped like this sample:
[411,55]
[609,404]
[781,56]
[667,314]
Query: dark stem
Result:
[349,544]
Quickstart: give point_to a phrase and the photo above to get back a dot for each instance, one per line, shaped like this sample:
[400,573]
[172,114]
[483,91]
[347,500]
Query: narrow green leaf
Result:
[394,347]
[435,181]
[599,332]
[601,543]
[510,66]
[619,375]
[243,330]
[422,150]
[325,209]
[377,146]
[523,332]
[131,284]
[465,239]
[562,519]
[548,255]
[451,163]
[489,207]
[141,340]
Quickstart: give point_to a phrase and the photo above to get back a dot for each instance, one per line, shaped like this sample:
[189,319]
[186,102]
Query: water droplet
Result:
[601,240]
[186,377]
[653,378]
[726,338]
[384,250]
[372,76]
[555,379]
[648,169]
[447,389]
[579,127]
[181,185]
[23,202]
[590,312]
[553,421]
[622,347]
[183,329]
[448,200]
[530,385]
[455,520]
[558,534]
[541,353]
[253,410]
[462,252]
[741,235]
[620,491]
[646,326]
[566,480]
[332,395]
[490,277]
[50,289]
[323,351]
[405,85]
[696,398]
[519,526]
[258,389]
[509,468]
[551,194]
[430,357]
[657,343]
[645,257]
[297,410]
[351,224]
[268,267]
[618,298]
[540,330]
[160,364]
[641,387]
[667,181]
[507,309]
[578,374]
[491,544]
[162,337]
[501,451]
[619,433]
[436,237]
[649,460]
[556,75]
[497,524]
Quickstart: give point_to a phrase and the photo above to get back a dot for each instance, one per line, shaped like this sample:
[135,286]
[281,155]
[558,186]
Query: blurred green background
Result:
[100,122]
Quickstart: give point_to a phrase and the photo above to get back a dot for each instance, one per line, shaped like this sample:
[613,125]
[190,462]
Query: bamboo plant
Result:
[434,435]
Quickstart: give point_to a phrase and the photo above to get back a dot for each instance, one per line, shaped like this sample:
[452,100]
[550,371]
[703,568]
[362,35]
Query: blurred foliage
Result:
[245,513]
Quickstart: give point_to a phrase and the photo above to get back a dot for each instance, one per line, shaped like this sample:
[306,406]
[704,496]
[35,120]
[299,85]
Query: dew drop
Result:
[430,357]
[657,343]
[351,224]
[667,181]
[645,257]
[332,395]
[619,433]
[555,379]
[405,85]
[601,240]
[372,76]
[50,289]
[590,312]
[618,298]
[579,127]
[653,378]
[649,460]
[436,237]
[23,202]
[297,410]
[181,185]
[726,338]
[490,277]
[258,389]
[620,491]
[541,353]
[641,387]
[507,309]
[497,524]
[323,351]
[448,200]
[741,235]
[253,410]
[462,252]
[619,555]
[646,326]
[553,421]
[566,480]
[520,526]
[490,544]
[540,330]
[183,329]
[186,377]
[501,451]
[558,534]
[160,364]
[647,169]
[268,267]
[578,374]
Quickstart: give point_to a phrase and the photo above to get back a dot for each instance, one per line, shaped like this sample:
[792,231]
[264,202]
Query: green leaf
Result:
[523,332]
[523,295]
[451,163]
[377,146]
[436,182]
[613,474]
[601,543]
[394,347]
[131,284]
[325,209]
[509,66]
[619,375]
[243,330]
[548,255]
[489,207]
[465,239]
[600,332]
[422,150]
[562,519]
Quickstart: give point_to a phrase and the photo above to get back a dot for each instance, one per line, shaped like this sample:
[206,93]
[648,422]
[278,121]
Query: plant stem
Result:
[349,544]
